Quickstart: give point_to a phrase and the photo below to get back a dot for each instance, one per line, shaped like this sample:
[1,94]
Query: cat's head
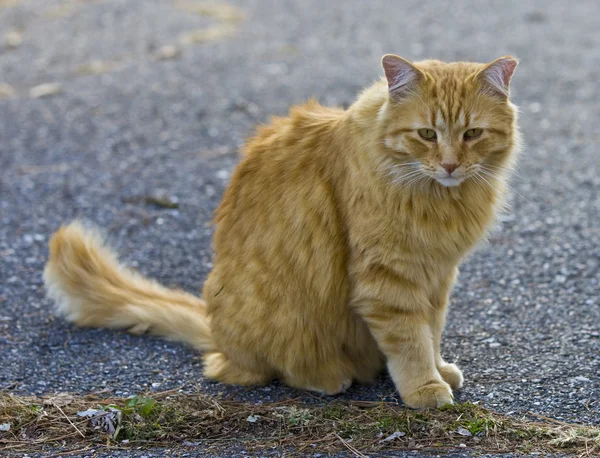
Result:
[449,122]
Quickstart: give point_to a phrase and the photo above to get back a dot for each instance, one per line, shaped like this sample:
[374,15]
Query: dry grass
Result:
[227,17]
[177,420]
[95,67]
[208,34]
[220,11]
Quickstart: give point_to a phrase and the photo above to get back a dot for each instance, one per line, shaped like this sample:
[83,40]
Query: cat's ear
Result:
[402,76]
[496,75]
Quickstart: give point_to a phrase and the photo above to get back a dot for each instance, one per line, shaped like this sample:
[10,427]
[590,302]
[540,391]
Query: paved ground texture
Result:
[153,98]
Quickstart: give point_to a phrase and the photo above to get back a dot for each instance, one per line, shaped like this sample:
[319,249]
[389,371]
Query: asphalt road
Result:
[131,118]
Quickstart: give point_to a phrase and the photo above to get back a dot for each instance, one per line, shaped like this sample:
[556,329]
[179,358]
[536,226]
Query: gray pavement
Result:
[125,123]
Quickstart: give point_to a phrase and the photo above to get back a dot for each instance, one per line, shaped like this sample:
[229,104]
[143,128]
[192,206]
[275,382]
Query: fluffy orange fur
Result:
[337,241]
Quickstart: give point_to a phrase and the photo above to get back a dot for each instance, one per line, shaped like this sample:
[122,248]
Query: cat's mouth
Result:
[450,182]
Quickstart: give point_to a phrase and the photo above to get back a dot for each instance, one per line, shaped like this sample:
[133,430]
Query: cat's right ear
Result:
[402,76]
[497,74]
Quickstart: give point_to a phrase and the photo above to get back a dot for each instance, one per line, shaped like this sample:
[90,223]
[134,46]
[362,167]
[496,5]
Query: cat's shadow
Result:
[382,390]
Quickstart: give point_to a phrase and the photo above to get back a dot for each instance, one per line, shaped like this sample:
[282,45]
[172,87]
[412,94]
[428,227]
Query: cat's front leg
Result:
[449,371]
[437,319]
[404,335]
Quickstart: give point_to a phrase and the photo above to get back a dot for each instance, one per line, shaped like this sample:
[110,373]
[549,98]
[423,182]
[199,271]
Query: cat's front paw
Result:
[452,375]
[431,395]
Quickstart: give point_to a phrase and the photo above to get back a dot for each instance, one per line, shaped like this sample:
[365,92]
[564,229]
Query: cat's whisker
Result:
[493,169]
[408,168]
[405,165]
[415,180]
[477,178]
[405,171]
[513,190]
[478,183]
[401,167]
[489,174]
[485,180]
[426,179]
[501,169]
[506,170]
[494,166]
[408,184]
[407,177]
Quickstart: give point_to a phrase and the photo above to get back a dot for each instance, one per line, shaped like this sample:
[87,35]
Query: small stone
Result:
[13,39]
[89,413]
[190,443]
[222,174]
[6,90]
[168,52]
[464,432]
[393,436]
[44,90]
[210,190]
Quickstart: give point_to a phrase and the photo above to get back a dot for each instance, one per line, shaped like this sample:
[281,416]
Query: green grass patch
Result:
[175,420]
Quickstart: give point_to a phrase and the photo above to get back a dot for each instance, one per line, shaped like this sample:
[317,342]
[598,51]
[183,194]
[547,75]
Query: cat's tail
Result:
[91,288]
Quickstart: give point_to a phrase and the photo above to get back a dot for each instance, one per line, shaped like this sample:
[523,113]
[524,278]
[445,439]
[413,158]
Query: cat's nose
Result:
[450,166]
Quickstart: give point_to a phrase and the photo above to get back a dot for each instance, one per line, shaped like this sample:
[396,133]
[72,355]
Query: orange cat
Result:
[337,242]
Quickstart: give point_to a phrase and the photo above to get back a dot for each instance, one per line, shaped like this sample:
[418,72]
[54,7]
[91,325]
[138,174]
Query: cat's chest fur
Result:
[420,236]
[447,223]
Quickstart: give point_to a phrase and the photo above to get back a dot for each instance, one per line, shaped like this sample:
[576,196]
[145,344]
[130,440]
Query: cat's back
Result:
[301,132]
[292,157]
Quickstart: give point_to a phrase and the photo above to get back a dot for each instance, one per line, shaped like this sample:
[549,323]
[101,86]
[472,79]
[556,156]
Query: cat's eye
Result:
[428,134]
[472,134]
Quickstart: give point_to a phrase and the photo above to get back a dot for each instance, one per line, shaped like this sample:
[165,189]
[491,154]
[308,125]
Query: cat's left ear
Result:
[496,75]
[401,75]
